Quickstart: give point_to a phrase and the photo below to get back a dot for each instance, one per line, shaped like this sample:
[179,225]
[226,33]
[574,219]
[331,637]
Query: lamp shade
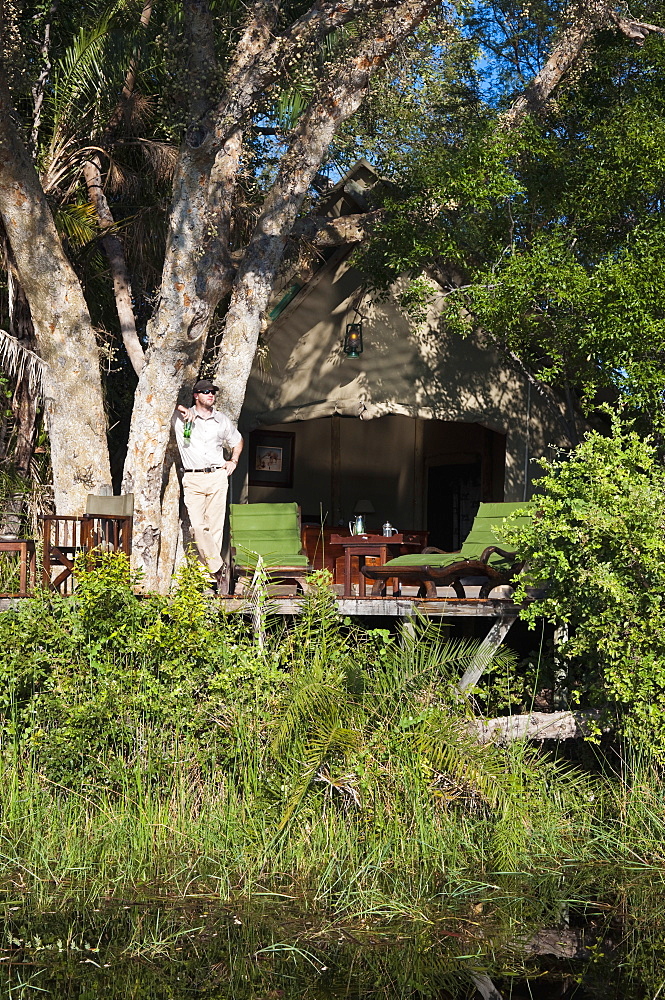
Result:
[364,506]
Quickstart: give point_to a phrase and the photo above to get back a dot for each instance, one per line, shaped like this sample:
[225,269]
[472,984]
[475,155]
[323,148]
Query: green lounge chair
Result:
[482,555]
[271,531]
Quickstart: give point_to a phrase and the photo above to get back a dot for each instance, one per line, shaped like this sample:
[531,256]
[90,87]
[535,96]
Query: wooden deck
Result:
[389,607]
[395,607]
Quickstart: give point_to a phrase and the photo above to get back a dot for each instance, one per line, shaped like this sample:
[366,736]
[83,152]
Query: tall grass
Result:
[155,751]
[402,853]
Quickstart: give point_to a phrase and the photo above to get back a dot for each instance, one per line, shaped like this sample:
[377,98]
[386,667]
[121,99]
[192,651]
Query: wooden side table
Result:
[28,571]
[360,546]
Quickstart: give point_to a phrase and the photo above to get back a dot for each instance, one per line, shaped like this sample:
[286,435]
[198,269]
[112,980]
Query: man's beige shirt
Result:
[210,435]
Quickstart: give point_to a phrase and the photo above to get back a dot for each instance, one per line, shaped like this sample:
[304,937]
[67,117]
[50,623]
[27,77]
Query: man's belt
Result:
[208,468]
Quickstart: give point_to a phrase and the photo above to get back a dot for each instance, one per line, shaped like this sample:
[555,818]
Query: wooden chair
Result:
[482,556]
[106,525]
[271,531]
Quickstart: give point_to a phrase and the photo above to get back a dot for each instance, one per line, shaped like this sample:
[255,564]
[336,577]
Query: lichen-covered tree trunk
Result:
[73,401]
[176,335]
[24,400]
[197,274]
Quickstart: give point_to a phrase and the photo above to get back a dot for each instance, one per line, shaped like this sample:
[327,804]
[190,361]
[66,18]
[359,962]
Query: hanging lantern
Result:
[353,340]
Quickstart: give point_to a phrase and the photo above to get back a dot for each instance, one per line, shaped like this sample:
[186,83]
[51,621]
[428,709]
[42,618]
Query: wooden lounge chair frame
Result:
[451,575]
[276,573]
[430,577]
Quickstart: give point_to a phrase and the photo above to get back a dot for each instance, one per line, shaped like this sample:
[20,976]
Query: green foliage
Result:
[311,747]
[598,543]
[550,235]
[82,681]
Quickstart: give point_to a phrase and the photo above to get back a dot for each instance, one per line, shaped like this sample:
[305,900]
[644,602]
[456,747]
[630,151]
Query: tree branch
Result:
[637,31]
[259,65]
[216,272]
[111,243]
[39,87]
[583,21]
[115,255]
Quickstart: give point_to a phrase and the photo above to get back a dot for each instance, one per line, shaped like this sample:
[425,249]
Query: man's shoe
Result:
[222,581]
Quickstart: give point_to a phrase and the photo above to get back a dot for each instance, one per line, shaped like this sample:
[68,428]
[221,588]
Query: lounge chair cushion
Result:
[270,530]
[486,531]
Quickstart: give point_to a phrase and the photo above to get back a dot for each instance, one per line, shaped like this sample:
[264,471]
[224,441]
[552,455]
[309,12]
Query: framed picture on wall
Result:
[271,458]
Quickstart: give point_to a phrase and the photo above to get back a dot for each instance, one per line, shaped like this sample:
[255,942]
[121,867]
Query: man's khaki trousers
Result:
[204,494]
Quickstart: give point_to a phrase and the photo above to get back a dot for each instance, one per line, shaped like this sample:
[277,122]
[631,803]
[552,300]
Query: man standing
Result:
[201,434]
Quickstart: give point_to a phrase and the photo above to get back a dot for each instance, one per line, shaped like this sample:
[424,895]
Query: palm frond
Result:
[122,180]
[18,362]
[81,73]
[161,157]
[86,82]
[77,221]
[428,658]
[448,748]
[64,167]
[312,702]
[327,739]
[291,105]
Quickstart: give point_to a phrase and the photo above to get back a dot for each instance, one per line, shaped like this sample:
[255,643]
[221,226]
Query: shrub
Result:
[598,543]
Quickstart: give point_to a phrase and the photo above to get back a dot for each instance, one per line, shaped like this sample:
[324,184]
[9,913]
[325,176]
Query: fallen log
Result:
[538,726]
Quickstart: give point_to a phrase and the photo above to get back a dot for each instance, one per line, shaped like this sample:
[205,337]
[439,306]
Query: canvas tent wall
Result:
[380,421]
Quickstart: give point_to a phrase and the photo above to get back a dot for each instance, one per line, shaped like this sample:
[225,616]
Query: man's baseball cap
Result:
[205,385]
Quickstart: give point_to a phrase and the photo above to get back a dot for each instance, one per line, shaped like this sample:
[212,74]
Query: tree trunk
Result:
[115,255]
[584,20]
[39,88]
[171,534]
[73,401]
[192,285]
[176,335]
[24,400]
[112,245]
[24,412]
